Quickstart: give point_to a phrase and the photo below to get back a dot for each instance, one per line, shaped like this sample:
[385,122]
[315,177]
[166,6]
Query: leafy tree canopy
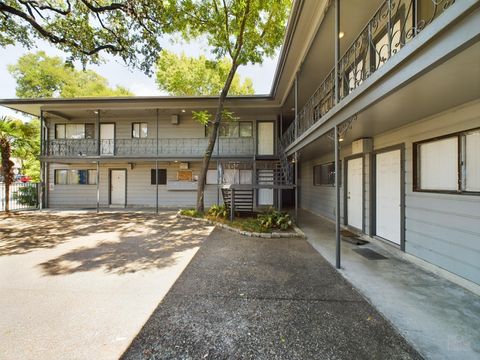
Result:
[181,75]
[244,31]
[40,75]
[85,28]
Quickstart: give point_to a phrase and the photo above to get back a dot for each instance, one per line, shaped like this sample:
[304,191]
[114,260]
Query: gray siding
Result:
[443,229]
[140,193]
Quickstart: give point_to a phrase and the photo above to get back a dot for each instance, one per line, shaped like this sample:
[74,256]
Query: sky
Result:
[118,74]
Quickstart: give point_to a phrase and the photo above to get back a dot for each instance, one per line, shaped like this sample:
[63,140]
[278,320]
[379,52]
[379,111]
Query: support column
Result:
[42,164]
[97,132]
[337,49]
[98,186]
[156,167]
[296,187]
[337,198]
[232,203]
[296,105]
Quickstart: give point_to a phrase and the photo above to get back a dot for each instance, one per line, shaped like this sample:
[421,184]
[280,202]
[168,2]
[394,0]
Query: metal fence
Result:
[23,196]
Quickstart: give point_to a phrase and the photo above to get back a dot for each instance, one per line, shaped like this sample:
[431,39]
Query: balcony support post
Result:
[232,203]
[98,186]
[156,164]
[97,132]
[41,190]
[337,198]
[296,187]
[296,105]
[337,49]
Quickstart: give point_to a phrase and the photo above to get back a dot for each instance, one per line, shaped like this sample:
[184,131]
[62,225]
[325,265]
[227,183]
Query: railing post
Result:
[42,164]
[337,49]
[389,29]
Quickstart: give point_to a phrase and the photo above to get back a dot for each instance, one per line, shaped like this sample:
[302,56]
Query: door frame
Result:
[345,188]
[274,138]
[373,192]
[110,184]
[114,137]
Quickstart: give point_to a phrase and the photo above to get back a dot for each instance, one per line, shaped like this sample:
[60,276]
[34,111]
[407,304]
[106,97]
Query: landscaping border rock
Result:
[297,231]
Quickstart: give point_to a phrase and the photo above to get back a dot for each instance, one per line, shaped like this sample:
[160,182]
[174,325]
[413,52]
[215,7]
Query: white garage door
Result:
[355,192]
[388,195]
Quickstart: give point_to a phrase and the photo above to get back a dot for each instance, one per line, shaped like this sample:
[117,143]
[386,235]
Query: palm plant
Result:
[10,134]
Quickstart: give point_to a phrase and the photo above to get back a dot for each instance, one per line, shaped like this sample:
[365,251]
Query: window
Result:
[246,129]
[75,177]
[228,129]
[74,131]
[162,177]
[325,174]
[448,164]
[139,130]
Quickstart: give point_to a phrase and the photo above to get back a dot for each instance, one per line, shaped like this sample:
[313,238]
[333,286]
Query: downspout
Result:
[156,168]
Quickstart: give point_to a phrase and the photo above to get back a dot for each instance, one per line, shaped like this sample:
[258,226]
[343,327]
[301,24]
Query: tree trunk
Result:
[213,138]
[7,167]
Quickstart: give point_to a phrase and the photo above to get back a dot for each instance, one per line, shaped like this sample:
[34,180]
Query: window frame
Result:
[88,179]
[461,136]
[152,174]
[326,164]
[139,130]
[85,133]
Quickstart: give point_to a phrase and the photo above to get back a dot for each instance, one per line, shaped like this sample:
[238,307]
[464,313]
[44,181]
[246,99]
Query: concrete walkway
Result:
[251,298]
[439,318]
[80,285]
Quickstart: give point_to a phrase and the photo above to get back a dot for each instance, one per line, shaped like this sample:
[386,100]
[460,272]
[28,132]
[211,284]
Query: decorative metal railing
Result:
[392,26]
[148,147]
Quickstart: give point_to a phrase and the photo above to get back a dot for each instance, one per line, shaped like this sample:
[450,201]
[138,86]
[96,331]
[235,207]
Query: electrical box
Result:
[175,120]
[184,165]
[364,145]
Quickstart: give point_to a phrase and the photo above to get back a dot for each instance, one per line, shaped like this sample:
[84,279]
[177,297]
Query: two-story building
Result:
[377,103]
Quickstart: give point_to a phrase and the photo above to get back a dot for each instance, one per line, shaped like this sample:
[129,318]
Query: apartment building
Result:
[376,104]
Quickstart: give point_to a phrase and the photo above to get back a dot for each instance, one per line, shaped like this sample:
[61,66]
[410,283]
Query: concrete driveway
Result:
[80,285]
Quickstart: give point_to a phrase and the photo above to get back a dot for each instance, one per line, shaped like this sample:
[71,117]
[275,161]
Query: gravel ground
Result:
[251,298]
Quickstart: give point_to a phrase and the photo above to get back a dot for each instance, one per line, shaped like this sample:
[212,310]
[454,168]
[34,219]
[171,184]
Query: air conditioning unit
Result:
[184,165]
[364,145]
[175,120]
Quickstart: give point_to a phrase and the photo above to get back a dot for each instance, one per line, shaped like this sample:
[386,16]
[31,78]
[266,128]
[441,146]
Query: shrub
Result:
[218,211]
[275,219]
[191,212]
[26,195]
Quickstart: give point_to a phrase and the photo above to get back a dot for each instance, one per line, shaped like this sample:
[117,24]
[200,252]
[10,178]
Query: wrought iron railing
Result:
[392,26]
[148,147]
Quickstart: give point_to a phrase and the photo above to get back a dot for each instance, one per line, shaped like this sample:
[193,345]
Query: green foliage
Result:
[275,219]
[218,211]
[249,224]
[202,116]
[191,212]
[26,195]
[131,30]
[39,75]
[181,75]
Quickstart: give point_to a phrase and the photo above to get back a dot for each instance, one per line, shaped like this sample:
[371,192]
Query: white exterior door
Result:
[107,139]
[118,191]
[266,138]
[388,195]
[355,192]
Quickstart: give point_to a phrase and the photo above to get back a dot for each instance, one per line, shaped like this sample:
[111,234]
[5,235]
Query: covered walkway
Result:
[437,316]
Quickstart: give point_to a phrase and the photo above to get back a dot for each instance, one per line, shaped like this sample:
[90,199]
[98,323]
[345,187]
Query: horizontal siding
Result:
[443,229]
[187,127]
[140,193]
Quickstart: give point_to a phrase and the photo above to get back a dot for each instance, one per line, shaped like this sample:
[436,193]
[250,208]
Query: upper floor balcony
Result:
[393,25]
[136,148]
